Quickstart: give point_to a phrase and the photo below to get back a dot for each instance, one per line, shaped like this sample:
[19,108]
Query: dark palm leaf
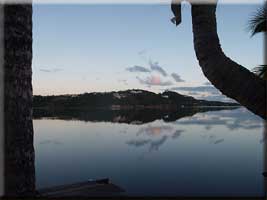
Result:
[261,71]
[258,22]
[176,10]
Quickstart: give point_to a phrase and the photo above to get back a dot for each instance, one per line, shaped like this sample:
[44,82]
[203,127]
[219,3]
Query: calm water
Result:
[210,153]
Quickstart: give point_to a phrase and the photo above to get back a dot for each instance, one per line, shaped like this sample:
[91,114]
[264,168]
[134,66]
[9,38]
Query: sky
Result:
[111,47]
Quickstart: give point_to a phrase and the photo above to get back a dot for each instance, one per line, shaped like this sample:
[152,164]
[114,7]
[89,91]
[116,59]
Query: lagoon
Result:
[212,153]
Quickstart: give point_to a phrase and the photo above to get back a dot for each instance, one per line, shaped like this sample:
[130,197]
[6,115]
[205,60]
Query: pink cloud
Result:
[154,81]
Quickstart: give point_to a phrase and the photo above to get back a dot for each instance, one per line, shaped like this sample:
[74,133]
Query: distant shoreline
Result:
[125,100]
[135,108]
[128,116]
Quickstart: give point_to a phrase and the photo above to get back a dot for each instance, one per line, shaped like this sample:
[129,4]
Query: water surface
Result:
[214,153]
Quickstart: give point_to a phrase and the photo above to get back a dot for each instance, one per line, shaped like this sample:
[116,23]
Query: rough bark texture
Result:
[19,150]
[232,79]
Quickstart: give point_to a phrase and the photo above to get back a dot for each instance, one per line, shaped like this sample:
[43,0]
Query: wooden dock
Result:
[96,188]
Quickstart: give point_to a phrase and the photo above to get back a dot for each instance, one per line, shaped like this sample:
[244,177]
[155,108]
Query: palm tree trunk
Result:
[1,101]
[232,79]
[265,157]
[19,151]
[265,127]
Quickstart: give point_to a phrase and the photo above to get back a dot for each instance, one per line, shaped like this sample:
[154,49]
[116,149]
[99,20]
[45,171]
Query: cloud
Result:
[57,69]
[207,83]
[153,81]
[212,97]
[197,89]
[155,67]
[137,68]
[209,93]
[142,55]
[51,70]
[142,52]
[193,93]
[45,70]
[177,78]
[123,81]
[50,142]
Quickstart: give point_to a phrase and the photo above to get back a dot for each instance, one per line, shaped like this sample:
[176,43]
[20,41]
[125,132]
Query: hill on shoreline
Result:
[127,99]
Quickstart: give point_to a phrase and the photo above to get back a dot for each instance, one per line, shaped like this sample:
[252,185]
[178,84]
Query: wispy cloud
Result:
[142,52]
[153,81]
[197,89]
[123,81]
[193,93]
[45,70]
[207,92]
[57,69]
[50,142]
[207,83]
[177,77]
[156,67]
[137,68]
[51,70]
[211,97]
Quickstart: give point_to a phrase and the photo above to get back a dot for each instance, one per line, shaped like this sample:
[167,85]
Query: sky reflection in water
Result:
[213,153]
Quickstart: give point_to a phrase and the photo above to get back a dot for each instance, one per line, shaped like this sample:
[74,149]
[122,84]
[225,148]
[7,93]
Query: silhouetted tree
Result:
[232,79]
[258,24]
[19,151]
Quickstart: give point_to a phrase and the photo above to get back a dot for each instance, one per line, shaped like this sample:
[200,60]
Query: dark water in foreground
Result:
[216,153]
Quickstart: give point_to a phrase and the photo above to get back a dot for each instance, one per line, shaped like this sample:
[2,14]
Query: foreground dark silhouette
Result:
[232,79]
[19,176]
[19,172]
[92,188]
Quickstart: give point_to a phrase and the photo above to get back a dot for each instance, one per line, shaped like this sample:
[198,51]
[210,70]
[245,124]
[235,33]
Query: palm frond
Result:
[258,22]
[261,71]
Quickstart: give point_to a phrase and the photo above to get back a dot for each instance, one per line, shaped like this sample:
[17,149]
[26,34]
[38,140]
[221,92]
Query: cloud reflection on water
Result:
[154,145]
[231,119]
[154,130]
[177,134]
[164,132]
[218,141]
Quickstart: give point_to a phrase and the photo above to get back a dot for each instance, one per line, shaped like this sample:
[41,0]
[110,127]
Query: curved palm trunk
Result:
[232,79]
[19,169]
[265,157]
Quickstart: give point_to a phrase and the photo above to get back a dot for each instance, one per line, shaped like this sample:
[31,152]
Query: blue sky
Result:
[97,48]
